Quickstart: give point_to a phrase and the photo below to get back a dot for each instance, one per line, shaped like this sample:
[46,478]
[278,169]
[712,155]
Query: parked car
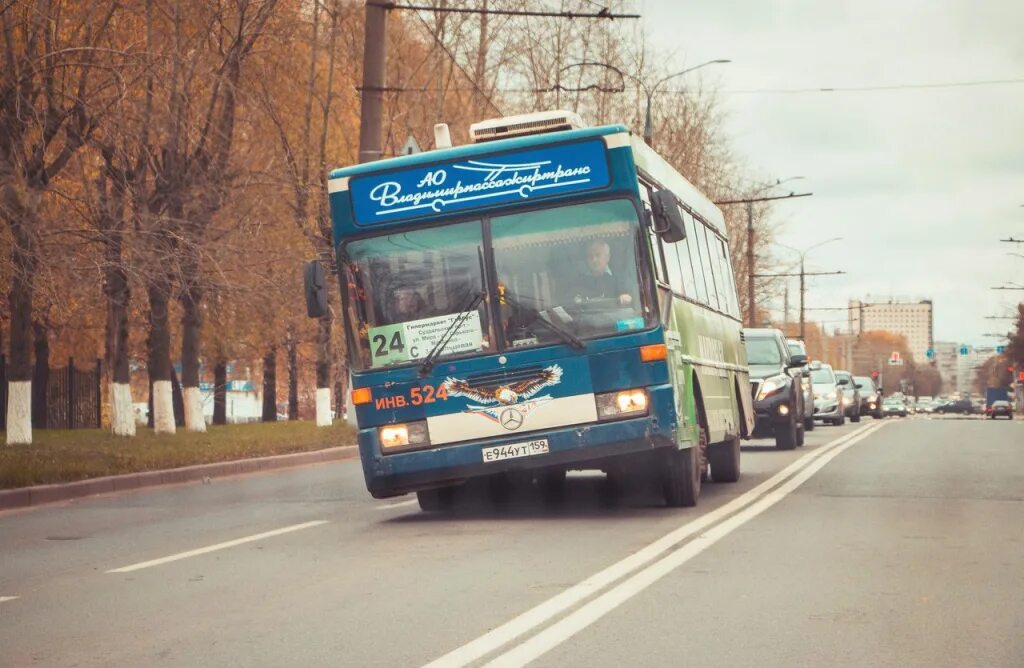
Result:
[851,395]
[1000,408]
[870,396]
[828,394]
[894,406]
[778,397]
[798,348]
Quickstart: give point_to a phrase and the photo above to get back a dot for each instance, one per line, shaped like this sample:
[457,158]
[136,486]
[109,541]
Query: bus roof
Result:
[652,165]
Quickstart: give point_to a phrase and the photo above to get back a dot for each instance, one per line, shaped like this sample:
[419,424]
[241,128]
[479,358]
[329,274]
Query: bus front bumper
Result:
[585,446]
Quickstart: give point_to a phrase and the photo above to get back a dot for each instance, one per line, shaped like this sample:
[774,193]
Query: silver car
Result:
[828,394]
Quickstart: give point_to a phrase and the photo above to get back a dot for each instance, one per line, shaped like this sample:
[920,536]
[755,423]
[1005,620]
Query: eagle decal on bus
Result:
[494,401]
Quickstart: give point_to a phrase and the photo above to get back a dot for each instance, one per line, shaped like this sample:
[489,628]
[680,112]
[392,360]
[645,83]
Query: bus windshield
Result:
[568,271]
[573,266]
[407,288]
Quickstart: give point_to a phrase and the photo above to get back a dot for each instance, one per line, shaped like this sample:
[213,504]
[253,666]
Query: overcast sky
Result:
[920,183]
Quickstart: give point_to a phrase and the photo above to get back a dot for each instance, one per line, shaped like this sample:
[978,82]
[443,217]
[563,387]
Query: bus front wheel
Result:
[682,475]
[434,500]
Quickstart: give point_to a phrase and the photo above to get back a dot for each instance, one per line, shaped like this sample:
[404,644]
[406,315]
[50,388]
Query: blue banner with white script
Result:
[455,186]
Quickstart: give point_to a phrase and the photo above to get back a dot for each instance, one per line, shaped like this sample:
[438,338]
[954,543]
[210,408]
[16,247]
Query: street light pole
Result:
[649,91]
[648,120]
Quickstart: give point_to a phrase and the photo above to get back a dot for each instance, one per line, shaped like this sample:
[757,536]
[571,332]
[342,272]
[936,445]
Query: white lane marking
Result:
[4,599]
[597,608]
[218,546]
[400,504]
[529,620]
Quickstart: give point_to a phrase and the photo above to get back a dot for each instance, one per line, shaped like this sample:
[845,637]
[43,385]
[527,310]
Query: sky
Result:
[920,183]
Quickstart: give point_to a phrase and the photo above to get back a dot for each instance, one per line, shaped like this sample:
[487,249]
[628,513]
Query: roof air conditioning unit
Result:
[536,123]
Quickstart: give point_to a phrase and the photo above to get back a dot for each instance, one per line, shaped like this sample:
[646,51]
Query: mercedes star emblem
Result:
[511,419]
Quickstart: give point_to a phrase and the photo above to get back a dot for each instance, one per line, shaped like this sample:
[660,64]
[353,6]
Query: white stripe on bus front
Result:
[617,140]
[535,414]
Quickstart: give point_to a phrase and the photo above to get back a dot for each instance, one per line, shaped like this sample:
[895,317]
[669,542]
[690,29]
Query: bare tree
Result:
[54,86]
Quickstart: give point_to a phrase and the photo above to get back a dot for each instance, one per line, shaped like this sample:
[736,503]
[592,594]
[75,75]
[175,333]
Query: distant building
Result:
[969,360]
[912,320]
[947,363]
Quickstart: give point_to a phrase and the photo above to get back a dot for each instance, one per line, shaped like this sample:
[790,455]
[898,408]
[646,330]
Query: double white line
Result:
[643,568]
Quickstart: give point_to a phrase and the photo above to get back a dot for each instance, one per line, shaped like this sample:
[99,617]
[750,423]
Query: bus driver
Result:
[598,281]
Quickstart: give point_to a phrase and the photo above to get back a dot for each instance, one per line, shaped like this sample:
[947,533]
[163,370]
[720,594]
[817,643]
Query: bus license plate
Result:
[498,453]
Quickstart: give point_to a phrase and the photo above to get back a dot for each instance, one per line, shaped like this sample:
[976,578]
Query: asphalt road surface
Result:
[888,543]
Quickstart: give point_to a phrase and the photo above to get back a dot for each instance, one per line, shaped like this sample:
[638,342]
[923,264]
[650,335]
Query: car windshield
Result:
[407,288]
[822,375]
[763,351]
[795,349]
[574,267]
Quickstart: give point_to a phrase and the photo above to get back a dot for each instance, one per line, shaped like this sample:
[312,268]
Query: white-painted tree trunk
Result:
[122,410]
[350,408]
[19,412]
[163,407]
[323,407]
[194,420]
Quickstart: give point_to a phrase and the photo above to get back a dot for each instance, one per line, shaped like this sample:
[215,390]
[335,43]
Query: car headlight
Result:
[830,396]
[406,435]
[627,403]
[773,385]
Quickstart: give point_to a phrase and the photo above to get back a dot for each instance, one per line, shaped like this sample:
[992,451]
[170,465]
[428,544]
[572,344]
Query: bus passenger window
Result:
[696,266]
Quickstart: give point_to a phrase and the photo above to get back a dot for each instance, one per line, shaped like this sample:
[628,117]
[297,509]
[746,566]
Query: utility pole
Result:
[751,308]
[374,68]
[749,201]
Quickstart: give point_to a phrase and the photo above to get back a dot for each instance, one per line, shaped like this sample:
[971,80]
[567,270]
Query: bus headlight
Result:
[403,435]
[626,403]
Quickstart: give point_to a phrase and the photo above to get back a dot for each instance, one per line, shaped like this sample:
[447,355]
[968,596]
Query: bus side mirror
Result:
[316,293]
[668,221]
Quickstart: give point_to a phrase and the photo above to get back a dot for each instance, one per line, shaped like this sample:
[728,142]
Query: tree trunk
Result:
[40,375]
[270,385]
[177,399]
[25,258]
[220,386]
[323,372]
[162,410]
[117,292]
[191,322]
[293,376]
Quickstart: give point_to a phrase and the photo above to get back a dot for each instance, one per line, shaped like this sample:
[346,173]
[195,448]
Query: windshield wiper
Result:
[428,362]
[565,334]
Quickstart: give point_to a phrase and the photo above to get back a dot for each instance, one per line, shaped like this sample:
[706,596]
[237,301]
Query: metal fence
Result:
[73,397]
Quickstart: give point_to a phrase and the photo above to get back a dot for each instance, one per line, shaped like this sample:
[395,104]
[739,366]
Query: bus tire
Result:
[682,474]
[725,460]
[785,435]
[436,500]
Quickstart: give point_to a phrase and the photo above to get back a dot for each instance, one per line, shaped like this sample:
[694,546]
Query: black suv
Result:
[778,396]
[870,396]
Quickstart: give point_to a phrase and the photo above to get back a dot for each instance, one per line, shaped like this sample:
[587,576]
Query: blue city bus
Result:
[527,305]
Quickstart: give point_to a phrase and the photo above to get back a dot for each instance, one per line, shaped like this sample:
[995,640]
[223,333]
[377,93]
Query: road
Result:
[890,543]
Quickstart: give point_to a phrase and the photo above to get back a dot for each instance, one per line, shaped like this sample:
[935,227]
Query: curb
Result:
[22,497]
